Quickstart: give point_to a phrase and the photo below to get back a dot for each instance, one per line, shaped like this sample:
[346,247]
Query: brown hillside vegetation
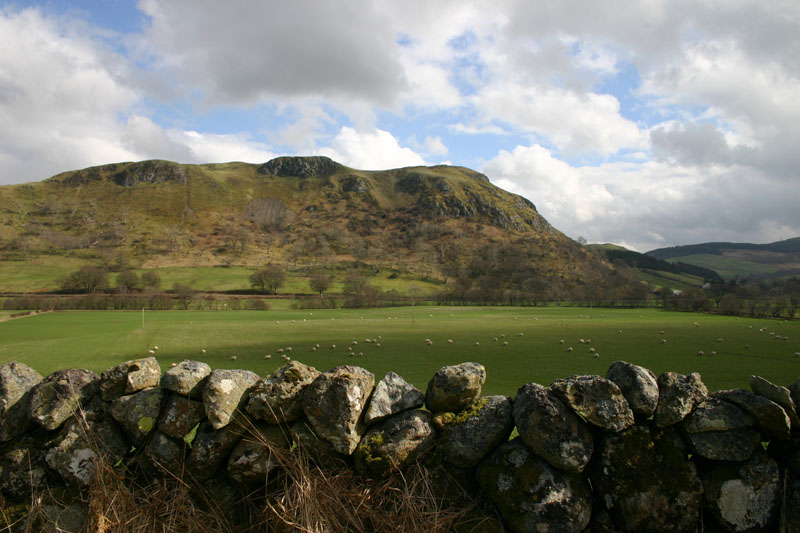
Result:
[296,211]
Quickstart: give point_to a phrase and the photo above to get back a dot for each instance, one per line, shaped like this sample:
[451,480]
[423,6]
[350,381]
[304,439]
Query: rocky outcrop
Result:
[300,167]
[453,387]
[154,171]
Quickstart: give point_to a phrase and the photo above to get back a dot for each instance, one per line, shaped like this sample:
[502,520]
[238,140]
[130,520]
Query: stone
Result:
[794,392]
[129,377]
[780,395]
[55,516]
[180,415]
[392,395]
[787,453]
[768,416]
[551,429]
[645,482]
[225,392]
[23,470]
[394,443]
[334,405]
[792,506]
[530,494]
[477,430]
[720,431]
[677,396]
[138,413]
[597,400]
[60,395]
[319,451]
[744,496]
[187,378]
[16,382]
[453,387]
[255,456]
[300,167]
[638,385]
[78,447]
[277,398]
[211,447]
[166,452]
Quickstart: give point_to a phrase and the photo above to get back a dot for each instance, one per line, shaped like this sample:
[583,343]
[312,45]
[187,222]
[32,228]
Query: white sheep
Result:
[713,354]
[268,356]
[719,339]
[155,348]
[151,352]
[569,349]
[596,355]
[280,350]
[505,343]
[233,358]
[561,341]
[797,354]
[288,348]
[173,365]
[591,350]
[663,341]
[333,346]
[700,353]
[449,341]
[477,344]
[203,351]
[520,334]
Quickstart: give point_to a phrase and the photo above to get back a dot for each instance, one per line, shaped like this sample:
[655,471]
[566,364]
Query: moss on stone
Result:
[368,452]
[145,424]
[472,409]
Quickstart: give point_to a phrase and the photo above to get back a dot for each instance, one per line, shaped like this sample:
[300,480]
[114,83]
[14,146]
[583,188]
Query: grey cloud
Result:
[697,144]
[240,52]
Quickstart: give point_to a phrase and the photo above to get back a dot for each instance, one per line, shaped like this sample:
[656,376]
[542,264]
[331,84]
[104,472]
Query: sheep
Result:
[591,350]
[596,355]
[786,338]
[313,348]
[173,365]
[700,353]
[661,332]
[233,358]
[151,352]
[378,344]
[561,341]
[368,341]
[280,350]
[520,334]
[429,342]
[505,343]
[361,354]
[203,351]
[449,341]
[663,341]
[588,341]
[268,356]
[288,348]
[155,348]
[503,336]
[719,339]
[619,331]
[350,349]
[746,346]
[495,339]
[569,349]
[582,341]
[713,354]
[333,346]
[797,354]
[477,344]
[354,343]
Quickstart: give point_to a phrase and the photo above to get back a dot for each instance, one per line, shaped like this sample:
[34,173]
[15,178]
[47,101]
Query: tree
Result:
[151,280]
[268,279]
[86,279]
[184,294]
[128,281]
[319,283]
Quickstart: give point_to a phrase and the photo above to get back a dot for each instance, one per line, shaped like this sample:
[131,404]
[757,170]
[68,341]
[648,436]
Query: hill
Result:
[743,260]
[432,223]
[672,275]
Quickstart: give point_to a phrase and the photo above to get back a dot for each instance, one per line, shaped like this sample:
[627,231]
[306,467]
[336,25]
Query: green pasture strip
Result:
[725,266]
[37,275]
[99,340]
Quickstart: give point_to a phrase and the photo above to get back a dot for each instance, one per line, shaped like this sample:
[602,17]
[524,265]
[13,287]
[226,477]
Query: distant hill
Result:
[673,275]
[301,212]
[743,260]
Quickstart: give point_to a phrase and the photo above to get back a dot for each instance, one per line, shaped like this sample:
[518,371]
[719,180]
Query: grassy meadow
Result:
[99,340]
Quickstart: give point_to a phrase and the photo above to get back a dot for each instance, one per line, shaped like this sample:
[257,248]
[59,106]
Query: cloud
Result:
[374,150]
[651,204]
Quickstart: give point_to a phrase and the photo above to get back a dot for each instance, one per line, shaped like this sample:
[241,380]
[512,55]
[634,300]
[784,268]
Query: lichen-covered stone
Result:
[744,496]
[16,382]
[394,443]
[768,416]
[677,396]
[780,395]
[530,494]
[792,505]
[478,429]
[254,457]
[225,392]
[645,482]
[720,431]
[138,413]
[187,378]
[551,429]
[597,400]
[638,385]
[277,398]
[319,451]
[392,395]
[453,387]
[334,405]
[129,377]
[22,466]
[211,447]
[180,415]
[77,448]
[60,394]
[166,452]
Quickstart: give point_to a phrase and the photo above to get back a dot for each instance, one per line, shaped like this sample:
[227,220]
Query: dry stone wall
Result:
[630,451]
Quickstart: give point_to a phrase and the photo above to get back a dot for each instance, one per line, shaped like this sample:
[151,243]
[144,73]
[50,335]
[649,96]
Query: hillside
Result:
[300,212]
[744,260]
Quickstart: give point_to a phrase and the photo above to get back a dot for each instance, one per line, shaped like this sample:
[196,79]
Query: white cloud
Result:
[435,146]
[208,147]
[373,150]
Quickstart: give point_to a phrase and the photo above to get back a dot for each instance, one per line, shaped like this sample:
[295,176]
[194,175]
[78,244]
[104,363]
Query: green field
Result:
[726,266]
[99,340]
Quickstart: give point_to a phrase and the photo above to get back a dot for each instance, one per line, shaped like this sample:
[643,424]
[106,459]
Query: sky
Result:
[645,124]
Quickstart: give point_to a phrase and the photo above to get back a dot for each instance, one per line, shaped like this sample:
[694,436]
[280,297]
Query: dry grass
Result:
[298,496]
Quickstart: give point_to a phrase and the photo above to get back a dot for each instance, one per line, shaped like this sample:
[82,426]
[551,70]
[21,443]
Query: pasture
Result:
[99,340]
